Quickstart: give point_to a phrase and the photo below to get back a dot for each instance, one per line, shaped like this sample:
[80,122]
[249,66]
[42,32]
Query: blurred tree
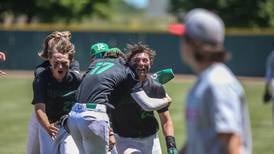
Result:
[55,10]
[236,13]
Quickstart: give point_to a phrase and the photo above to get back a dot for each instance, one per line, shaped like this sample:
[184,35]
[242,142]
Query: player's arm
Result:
[168,131]
[43,119]
[232,142]
[148,103]
[39,97]
[2,58]
[227,116]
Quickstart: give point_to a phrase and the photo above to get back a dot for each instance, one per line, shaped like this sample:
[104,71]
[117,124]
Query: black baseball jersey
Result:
[47,90]
[130,120]
[104,81]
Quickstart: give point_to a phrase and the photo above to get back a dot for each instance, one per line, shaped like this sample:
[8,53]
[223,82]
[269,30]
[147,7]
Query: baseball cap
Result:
[202,25]
[99,47]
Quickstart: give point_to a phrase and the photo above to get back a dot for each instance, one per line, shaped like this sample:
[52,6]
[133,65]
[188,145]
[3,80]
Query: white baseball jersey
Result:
[214,105]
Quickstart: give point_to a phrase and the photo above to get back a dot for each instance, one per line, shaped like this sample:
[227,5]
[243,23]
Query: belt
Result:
[80,107]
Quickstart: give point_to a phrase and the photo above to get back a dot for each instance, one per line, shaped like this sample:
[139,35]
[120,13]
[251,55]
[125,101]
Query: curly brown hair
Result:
[63,46]
[55,37]
[133,49]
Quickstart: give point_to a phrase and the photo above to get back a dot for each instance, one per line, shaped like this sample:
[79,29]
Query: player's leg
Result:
[73,125]
[95,132]
[128,145]
[66,143]
[46,142]
[33,139]
[156,146]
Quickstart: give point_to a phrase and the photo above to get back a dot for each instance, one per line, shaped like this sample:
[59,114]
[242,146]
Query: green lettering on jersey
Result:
[145,114]
[101,67]
[67,106]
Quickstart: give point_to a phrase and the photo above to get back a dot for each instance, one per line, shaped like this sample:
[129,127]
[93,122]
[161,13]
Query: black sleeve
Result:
[39,89]
[75,68]
[40,68]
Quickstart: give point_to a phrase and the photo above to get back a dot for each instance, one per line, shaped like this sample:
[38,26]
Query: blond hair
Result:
[63,46]
[50,40]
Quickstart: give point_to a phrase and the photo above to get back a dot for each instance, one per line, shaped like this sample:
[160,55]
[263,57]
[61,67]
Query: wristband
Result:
[170,142]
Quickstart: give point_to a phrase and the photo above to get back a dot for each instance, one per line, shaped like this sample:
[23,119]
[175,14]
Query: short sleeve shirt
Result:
[214,105]
[130,120]
[47,90]
[105,78]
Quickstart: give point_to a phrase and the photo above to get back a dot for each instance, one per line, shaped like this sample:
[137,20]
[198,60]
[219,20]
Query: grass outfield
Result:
[15,111]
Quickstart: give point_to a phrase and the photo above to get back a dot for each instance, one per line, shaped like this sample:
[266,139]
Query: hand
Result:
[2,73]
[168,99]
[52,130]
[267,97]
[112,142]
[2,56]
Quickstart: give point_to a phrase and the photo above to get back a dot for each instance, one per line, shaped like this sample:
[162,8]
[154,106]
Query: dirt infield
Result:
[183,77]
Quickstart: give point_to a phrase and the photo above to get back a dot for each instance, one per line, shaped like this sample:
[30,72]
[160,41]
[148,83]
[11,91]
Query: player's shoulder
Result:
[219,74]
[221,77]
[41,68]
[153,83]
[43,76]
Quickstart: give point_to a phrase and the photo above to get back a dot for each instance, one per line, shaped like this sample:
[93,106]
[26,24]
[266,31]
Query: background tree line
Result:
[236,13]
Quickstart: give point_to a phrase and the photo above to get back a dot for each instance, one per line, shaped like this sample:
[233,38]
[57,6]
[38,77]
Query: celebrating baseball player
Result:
[216,114]
[136,129]
[49,104]
[50,40]
[88,121]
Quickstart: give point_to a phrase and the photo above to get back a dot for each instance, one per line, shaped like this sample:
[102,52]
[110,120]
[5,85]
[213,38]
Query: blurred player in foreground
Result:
[2,58]
[136,129]
[269,82]
[49,104]
[216,113]
[88,121]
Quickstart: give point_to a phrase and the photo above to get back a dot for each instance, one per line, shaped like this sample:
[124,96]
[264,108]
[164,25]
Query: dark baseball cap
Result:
[202,25]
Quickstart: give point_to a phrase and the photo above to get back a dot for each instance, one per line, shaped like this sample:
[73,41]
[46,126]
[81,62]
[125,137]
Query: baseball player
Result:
[216,114]
[48,88]
[136,129]
[50,40]
[88,121]
[2,58]
[269,84]
[32,145]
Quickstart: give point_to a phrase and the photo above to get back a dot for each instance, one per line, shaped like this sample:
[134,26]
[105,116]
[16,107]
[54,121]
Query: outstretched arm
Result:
[148,103]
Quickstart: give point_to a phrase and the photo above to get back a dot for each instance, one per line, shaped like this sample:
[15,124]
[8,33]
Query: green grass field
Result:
[15,111]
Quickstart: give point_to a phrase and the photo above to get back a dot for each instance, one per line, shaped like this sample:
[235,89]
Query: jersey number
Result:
[101,67]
